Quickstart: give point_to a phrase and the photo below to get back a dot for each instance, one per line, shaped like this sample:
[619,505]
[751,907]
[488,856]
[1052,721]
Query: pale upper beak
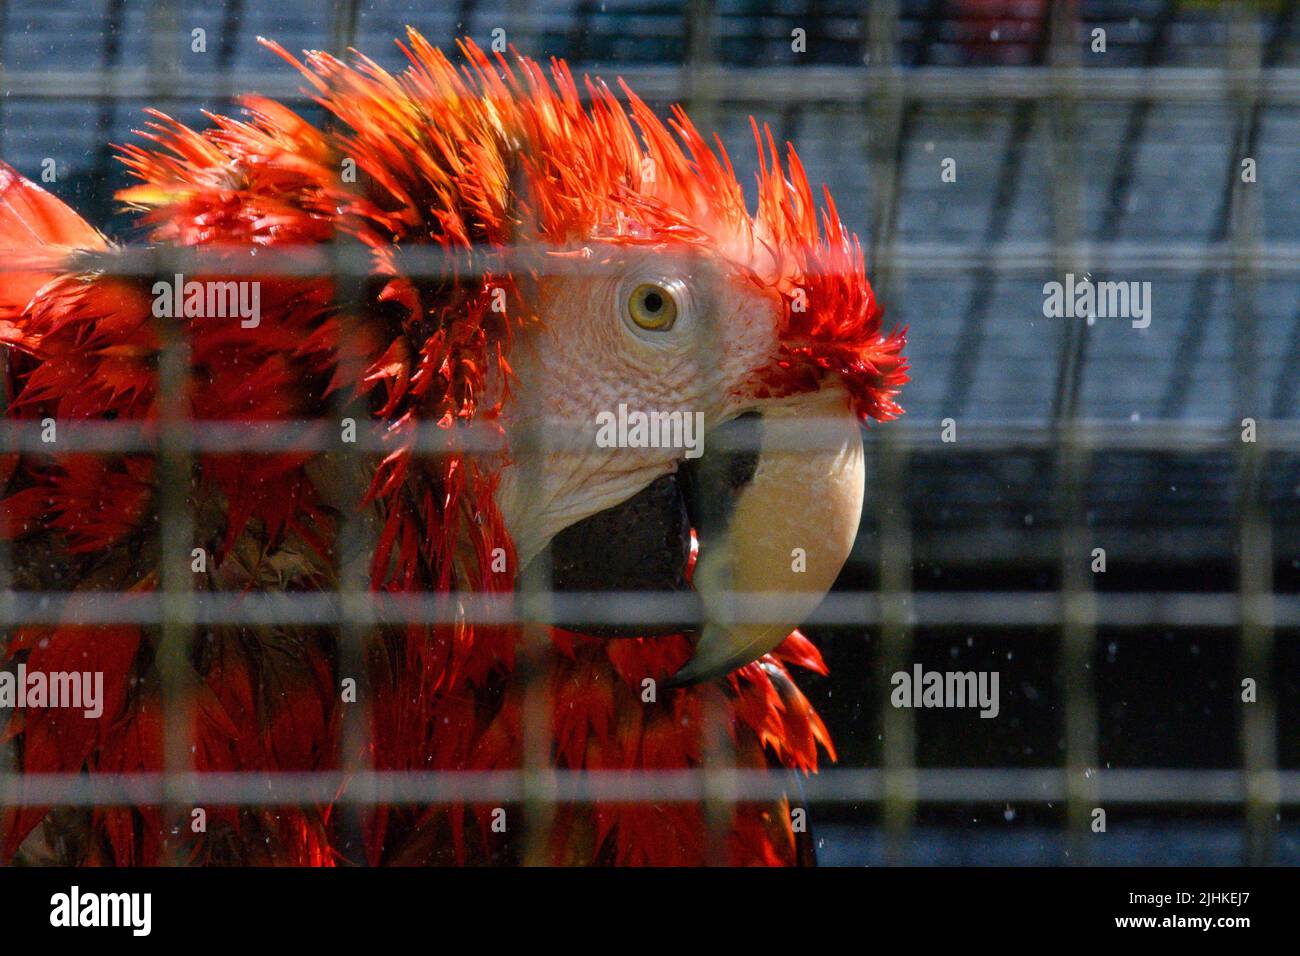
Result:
[784,537]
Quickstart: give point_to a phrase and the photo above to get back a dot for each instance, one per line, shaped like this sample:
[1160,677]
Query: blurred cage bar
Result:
[1069,435]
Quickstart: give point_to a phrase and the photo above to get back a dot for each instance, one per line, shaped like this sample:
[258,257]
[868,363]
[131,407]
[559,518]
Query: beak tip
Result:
[685,676]
[713,656]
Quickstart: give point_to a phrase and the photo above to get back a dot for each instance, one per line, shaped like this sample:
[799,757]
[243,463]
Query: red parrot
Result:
[654,289]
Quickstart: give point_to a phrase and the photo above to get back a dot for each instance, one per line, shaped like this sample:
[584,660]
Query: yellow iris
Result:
[652,307]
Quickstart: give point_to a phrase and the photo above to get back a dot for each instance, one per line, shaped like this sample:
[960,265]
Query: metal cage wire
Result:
[888,95]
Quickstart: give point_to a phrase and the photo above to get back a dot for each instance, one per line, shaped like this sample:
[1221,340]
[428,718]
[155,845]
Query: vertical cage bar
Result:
[355,536]
[535,584]
[697,57]
[531,664]
[898,724]
[1075,678]
[886,137]
[893,459]
[354,542]
[522,29]
[343,25]
[535,591]
[174,477]
[1075,675]
[1255,539]
[718,755]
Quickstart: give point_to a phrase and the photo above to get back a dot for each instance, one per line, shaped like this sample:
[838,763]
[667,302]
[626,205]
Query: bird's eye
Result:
[652,307]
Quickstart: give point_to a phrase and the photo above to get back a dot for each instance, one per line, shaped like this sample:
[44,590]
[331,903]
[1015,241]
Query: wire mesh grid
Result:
[1051,92]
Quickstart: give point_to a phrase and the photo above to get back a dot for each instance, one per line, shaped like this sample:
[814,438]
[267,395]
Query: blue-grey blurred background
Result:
[1123,163]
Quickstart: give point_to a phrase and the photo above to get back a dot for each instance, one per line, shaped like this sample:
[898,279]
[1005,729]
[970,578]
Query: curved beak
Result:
[772,550]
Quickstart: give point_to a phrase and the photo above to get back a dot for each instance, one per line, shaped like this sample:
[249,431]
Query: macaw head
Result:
[681,380]
[694,371]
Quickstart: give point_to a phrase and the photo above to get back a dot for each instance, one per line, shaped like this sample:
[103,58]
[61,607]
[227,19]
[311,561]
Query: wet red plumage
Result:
[436,171]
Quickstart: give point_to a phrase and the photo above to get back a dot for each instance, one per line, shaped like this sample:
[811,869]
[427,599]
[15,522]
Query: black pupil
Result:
[653,302]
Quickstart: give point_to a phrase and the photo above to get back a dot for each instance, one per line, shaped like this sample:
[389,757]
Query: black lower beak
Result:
[644,544]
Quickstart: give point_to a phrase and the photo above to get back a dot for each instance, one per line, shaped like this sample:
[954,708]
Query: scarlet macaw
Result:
[657,290]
